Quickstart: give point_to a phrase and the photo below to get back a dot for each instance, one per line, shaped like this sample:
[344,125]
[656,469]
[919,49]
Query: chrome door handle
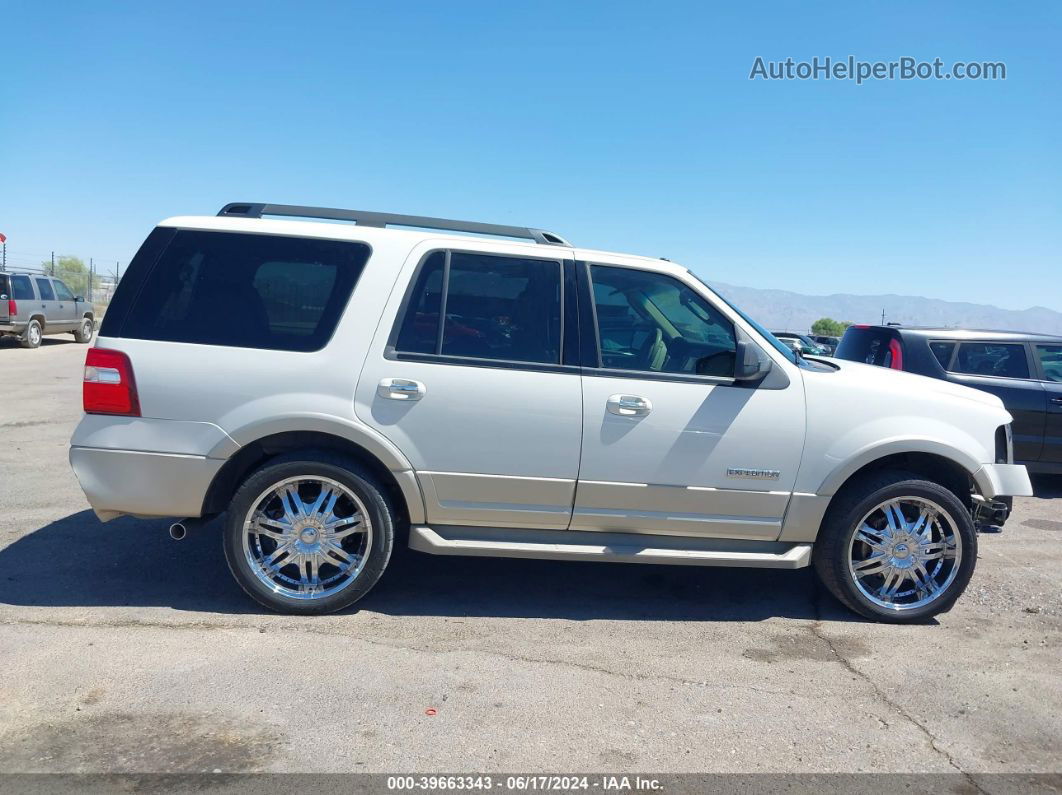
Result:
[628,405]
[400,389]
[1056,400]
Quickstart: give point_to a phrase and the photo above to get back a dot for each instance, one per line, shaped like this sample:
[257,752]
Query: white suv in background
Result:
[335,387]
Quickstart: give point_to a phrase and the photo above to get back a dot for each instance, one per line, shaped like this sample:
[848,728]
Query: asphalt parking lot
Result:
[122,650]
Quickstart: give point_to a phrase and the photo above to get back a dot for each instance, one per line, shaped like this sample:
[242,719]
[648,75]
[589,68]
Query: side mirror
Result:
[79,298]
[752,363]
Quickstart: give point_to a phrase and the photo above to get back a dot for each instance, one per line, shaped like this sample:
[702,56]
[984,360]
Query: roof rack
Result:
[381,220]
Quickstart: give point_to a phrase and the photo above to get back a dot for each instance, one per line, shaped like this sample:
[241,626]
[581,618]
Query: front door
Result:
[671,443]
[1050,362]
[467,378]
[66,309]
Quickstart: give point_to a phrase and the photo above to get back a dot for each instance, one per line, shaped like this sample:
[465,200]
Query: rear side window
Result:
[242,290]
[21,289]
[942,351]
[44,287]
[992,358]
[869,345]
[1051,361]
[493,307]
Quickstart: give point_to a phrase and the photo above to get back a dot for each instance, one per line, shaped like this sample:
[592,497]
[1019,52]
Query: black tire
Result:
[345,471]
[31,337]
[83,333]
[832,549]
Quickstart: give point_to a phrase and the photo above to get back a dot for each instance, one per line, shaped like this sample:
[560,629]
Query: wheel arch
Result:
[399,480]
[934,461]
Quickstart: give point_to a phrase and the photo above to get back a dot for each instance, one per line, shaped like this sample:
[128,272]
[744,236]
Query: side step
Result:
[606,547]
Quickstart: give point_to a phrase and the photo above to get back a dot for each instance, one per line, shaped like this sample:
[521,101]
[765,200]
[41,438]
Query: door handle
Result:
[400,389]
[628,405]
[1057,400]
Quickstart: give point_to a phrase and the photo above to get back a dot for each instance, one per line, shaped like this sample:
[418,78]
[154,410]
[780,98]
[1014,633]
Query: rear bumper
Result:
[120,482]
[1003,480]
[12,328]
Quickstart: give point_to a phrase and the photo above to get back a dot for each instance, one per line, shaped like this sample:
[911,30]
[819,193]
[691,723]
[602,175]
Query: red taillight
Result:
[896,352]
[109,386]
[12,307]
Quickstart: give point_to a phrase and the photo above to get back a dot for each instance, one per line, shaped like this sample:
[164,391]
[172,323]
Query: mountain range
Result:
[781,310]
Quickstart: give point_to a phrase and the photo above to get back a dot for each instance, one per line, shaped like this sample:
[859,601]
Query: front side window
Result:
[494,307]
[998,359]
[21,288]
[44,287]
[942,351]
[652,322]
[1050,361]
[62,291]
[244,290]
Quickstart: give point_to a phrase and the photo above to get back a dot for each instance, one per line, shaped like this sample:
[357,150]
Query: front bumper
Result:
[120,482]
[1003,480]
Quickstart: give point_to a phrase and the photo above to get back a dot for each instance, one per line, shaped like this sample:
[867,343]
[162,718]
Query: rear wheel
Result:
[309,534]
[31,337]
[897,548]
[83,333]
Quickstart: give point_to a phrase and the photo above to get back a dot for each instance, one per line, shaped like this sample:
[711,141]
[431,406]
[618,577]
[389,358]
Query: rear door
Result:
[1049,361]
[1004,369]
[66,307]
[468,377]
[49,306]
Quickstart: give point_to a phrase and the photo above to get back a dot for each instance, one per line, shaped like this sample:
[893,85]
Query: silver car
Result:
[335,389]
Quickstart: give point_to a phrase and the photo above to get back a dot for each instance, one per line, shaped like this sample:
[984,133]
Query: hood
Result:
[887,379]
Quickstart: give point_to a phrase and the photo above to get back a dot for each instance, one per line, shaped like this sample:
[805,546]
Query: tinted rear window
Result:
[869,345]
[241,290]
[998,359]
[21,289]
[44,287]
[942,351]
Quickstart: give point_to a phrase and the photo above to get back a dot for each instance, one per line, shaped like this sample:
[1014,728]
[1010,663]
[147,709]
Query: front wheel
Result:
[309,534]
[897,548]
[83,333]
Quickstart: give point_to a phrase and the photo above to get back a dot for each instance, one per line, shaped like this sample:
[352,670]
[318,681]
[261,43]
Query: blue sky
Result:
[626,126]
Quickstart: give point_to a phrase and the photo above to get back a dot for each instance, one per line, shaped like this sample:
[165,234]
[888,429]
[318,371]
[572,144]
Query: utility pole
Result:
[92,268]
[53,264]
[883,316]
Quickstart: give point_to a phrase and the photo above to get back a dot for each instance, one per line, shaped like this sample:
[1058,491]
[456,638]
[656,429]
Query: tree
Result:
[828,327]
[72,271]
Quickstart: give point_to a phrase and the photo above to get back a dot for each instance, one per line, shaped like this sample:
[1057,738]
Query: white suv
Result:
[335,387]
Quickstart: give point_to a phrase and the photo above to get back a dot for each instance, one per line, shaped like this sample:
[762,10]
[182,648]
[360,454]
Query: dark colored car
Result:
[1023,370]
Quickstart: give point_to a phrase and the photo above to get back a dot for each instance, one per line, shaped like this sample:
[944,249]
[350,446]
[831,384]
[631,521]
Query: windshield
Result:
[779,346]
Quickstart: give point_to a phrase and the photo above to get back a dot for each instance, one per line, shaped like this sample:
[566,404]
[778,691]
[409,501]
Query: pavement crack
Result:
[392,644]
[816,629]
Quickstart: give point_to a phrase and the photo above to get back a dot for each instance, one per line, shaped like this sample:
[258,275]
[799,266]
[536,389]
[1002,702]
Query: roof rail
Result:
[381,220]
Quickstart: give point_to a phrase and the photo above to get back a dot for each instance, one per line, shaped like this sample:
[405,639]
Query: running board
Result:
[606,547]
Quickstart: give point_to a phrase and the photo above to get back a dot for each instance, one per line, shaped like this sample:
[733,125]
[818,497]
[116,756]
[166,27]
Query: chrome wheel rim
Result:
[86,328]
[35,335]
[307,537]
[905,553]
